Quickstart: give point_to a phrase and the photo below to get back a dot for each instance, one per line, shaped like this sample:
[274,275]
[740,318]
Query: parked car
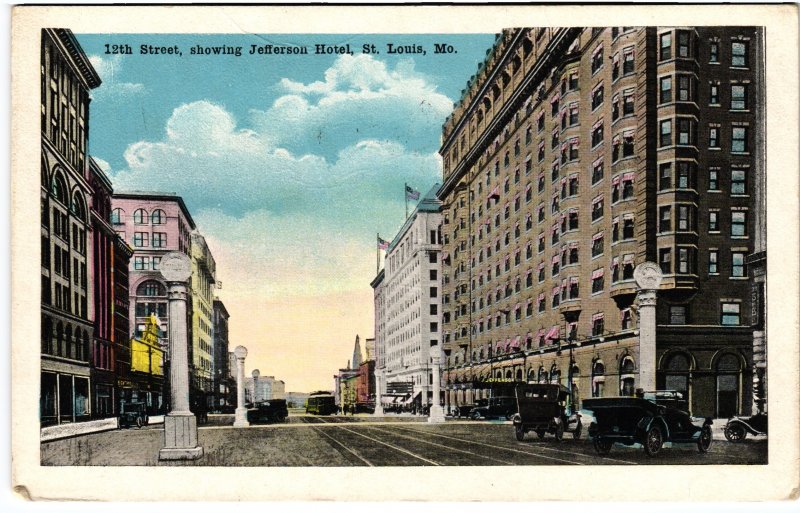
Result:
[496,407]
[463,410]
[737,427]
[133,414]
[645,420]
[274,410]
[545,408]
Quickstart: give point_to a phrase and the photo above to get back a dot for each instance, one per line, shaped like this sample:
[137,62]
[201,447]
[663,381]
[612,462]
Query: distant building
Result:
[369,349]
[67,321]
[147,368]
[264,388]
[296,399]
[407,296]
[223,379]
[201,344]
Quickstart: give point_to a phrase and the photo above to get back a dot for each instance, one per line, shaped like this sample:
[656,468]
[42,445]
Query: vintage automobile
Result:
[545,408]
[496,407]
[133,414]
[463,410]
[274,410]
[737,427]
[650,421]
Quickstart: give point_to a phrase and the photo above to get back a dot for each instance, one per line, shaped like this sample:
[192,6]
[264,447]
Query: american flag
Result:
[411,193]
[383,244]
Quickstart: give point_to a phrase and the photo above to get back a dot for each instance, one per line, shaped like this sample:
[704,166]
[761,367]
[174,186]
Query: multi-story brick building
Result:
[223,379]
[67,329]
[408,301]
[111,357]
[573,156]
[201,345]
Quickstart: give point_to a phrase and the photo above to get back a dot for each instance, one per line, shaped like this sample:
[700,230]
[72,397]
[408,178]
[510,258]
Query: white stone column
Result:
[436,414]
[256,373]
[241,412]
[180,424]
[378,393]
[648,278]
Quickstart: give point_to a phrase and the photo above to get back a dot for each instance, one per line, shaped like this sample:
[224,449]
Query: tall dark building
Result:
[223,379]
[576,154]
[67,330]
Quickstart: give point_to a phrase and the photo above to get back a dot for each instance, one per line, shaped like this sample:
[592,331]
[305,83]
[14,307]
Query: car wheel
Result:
[281,417]
[704,442]
[139,422]
[146,420]
[476,415]
[541,433]
[559,432]
[602,446]
[735,433]
[653,441]
[519,431]
[578,429]
[509,416]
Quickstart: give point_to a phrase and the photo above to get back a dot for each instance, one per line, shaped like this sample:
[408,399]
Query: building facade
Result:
[573,156]
[201,346]
[67,328]
[147,369]
[264,388]
[223,379]
[408,302]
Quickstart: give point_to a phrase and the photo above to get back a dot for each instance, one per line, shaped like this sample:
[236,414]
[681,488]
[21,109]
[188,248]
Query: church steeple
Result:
[356,354]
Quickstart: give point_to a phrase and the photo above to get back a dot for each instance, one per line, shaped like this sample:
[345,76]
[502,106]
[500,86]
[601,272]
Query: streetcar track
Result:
[400,449]
[519,450]
[346,448]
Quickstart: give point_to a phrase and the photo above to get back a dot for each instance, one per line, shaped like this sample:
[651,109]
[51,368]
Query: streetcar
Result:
[321,403]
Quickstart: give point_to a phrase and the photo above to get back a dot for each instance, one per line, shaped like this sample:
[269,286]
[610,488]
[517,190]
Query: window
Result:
[141,263]
[597,281]
[738,181]
[685,175]
[627,144]
[666,133]
[739,223]
[664,219]
[597,134]
[685,260]
[739,139]
[156,263]
[141,239]
[737,265]
[554,138]
[713,260]
[597,245]
[158,217]
[738,97]
[713,221]
[573,114]
[140,216]
[159,240]
[683,44]
[739,54]
[597,208]
[573,81]
[685,131]
[684,88]
[627,60]
[677,314]
[627,227]
[434,291]
[666,90]
[713,94]
[116,216]
[665,260]
[627,102]
[597,171]
[666,46]
[713,136]
[597,59]
[597,97]
[713,51]
[713,179]
[730,314]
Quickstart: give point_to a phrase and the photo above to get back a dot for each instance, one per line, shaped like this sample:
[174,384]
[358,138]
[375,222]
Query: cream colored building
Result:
[408,302]
[204,271]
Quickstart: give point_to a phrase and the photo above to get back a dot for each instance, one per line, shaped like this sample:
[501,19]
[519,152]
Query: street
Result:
[362,440]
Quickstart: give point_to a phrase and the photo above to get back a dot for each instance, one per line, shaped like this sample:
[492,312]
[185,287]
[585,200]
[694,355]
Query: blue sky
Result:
[289,165]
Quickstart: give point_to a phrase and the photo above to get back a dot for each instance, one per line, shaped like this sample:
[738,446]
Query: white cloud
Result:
[108,69]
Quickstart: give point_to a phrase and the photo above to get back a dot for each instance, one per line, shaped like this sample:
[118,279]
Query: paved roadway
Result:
[307,440]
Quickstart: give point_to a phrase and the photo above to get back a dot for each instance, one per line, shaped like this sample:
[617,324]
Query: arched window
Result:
[519,374]
[117,215]
[77,206]
[530,375]
[626,376]
[59,188]
[676,372]
[728,385]
[158,216]
[542,375]
[508,374]
[151,288]
[555,374]
[47,334]
[598,378]
[66,343]
[140,216]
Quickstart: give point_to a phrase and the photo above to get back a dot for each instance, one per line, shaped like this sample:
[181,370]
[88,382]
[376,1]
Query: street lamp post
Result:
[180,424]
[379,376]
[436,414]
[241,412]
[648,278]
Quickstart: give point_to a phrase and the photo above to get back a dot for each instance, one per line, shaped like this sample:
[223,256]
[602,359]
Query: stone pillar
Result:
[256,373]
[436,414]
[241,412]
[180,424]
[648,278]
[378,393]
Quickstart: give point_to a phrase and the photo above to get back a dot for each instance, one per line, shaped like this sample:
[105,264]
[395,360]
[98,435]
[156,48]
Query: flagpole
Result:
[405,194]
[377,254]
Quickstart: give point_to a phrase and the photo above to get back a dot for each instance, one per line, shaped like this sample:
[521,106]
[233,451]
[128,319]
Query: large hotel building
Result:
[574,155]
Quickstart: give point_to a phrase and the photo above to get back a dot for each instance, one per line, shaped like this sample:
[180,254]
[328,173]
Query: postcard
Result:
[521,250]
